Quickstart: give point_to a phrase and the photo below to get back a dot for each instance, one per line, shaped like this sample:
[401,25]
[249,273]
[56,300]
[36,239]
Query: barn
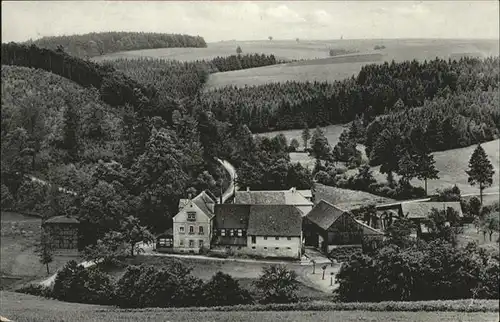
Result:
[63,232]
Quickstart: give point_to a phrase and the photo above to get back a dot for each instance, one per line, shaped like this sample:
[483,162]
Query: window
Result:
[254,240]
[277,238]
[240,233]
[191,216]
[231,232]
[200,230]
[265,237]
[253,247]
[181,229]
[191,243]
[165,242]
[181,242]
[265,247]
[223,232]
[191,229]
[289,238]
[200,243]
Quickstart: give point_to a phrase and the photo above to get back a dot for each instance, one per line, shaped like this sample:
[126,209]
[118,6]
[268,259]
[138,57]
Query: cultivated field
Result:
[321,68]
[27,308]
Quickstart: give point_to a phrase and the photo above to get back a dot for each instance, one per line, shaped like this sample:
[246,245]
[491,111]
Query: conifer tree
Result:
[480,170]
[306,135]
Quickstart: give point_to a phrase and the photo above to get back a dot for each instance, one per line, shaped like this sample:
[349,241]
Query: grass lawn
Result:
[27,308]
[346,198]
[452,165]
[18,261]
[470,234]
[245,273]
[332,133]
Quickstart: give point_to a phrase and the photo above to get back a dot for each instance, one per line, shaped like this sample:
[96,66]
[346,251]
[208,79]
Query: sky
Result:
[255,20]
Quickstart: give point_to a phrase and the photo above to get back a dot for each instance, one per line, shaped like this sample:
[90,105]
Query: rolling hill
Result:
[323,68]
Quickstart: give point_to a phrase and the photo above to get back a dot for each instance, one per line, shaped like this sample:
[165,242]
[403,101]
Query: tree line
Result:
[375,91]
[101,43]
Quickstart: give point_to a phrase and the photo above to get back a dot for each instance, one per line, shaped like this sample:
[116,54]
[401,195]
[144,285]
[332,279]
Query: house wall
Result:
[305,209]
[181,240]
[345,231]
[63,236]
[267,247]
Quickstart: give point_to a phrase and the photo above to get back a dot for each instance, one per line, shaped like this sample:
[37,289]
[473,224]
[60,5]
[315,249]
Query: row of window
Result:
[253,247]
[191,243]
[233,232]
[254,239]
[165,242]
[201,231]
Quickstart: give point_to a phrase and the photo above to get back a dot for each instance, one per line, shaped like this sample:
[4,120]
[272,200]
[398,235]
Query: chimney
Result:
[293,189]
[248,188]
[190,196]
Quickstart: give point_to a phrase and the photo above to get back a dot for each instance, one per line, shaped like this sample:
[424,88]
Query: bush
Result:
[74,283]
[148,286]
[223,290]
[7,199]
[434,271]
[36,289]
[31,196]
[277,284]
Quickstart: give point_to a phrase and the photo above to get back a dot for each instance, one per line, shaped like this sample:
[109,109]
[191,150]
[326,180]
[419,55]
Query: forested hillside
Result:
[101,43]
[374,92]
[184,79]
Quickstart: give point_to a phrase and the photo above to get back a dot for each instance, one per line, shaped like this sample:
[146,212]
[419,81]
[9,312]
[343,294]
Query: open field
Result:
[347,199]
[27,308]
[340,68]
[320,66]
[332,133]
[244,272]
[18,261]
[452,165]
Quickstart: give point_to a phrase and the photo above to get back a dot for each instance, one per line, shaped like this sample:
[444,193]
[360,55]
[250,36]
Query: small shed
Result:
[63,232]
[165,241]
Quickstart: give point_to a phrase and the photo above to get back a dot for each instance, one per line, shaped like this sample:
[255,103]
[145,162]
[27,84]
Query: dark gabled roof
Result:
[228,240]
[62,220]
[324,214]
[417,210]
[231,216]
[202,201]
[274,220]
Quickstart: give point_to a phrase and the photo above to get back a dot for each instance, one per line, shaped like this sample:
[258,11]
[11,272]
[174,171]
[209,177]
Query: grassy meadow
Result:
[27,308]
[19,263]
[320,66]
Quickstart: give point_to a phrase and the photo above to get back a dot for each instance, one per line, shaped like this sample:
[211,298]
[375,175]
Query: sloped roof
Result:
[305,193]
[324,214]
[202,201]
[368,230]
[231,216]
[274,220]
[168,232]
[416,210]
[285,197]
[62,220]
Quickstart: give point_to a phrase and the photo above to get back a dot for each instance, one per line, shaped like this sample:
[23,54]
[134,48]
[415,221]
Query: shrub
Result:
[223,290]
[7,199]
[31,196]
[36,289]
[148,286]
[74,283]
[422,272]
[277,284]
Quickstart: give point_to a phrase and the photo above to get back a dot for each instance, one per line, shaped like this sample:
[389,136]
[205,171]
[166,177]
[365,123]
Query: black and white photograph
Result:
[250,161]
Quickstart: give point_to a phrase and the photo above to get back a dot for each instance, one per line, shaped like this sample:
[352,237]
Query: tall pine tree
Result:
[480,170]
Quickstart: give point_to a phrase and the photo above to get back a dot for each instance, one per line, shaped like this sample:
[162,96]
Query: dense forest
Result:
[185,79]
[101,43]
[375,91]
[125,148]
